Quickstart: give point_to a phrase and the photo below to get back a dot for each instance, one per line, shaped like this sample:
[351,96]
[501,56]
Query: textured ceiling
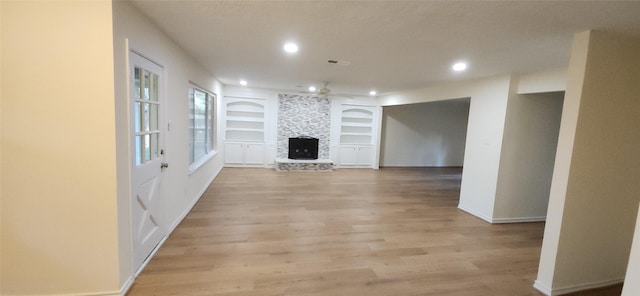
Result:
[392,45]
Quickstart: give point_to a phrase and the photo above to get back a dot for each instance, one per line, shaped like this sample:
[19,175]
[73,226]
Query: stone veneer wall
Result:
[304,115]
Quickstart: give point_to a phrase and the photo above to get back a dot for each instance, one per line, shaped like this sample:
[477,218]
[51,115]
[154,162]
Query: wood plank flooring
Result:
[396,231]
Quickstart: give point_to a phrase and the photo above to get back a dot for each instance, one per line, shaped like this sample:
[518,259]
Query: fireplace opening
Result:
[303,148]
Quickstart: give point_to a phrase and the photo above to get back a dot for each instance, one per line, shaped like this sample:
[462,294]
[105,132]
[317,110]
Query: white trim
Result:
[502,220]
[196,165]
[153,253]
[127,285]
[196,85]
[576,288]
[518,220]
[472,212]
[191,205]
[542,288]
[588,286]
[112,293]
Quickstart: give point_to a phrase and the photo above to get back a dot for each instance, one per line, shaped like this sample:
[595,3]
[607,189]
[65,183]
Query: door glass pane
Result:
[154,146]
[153,117]
[137,82]
[139,150]
[146,116]
[147,85]
[154,87]
[137,121]
[147,148]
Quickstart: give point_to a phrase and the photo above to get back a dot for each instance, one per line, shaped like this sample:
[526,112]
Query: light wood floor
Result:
[395,231]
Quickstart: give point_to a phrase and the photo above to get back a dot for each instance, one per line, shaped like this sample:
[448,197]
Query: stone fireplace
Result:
[304,117]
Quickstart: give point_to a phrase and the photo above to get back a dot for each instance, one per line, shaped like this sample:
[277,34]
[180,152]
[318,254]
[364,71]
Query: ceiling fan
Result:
[325,91]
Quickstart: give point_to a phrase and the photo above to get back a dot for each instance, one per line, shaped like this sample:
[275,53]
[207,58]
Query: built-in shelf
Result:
[356,125]
[244,120]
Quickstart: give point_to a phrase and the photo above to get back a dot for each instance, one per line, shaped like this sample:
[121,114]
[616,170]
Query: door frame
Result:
[162,123]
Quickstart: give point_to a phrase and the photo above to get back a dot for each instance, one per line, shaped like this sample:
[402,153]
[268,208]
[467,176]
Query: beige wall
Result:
[59,212]
[595,189]
[528,153]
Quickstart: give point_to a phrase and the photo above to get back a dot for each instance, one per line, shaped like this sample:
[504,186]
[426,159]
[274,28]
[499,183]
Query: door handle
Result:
[164,165]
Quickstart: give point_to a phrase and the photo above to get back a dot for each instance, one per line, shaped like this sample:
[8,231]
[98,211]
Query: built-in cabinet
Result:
[244,133]
[355,155]
[357,136]
[250,154]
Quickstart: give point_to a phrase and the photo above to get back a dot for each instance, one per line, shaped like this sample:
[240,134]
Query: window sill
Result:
[200,162]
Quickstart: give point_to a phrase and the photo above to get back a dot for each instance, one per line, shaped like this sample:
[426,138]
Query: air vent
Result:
[341,63]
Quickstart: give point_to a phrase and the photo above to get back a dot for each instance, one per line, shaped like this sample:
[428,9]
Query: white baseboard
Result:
[576,288]
[112,293]
[542,288]
[151,255]
[518,220]
[588,286]
[502,220]
[472,212]
[127,286]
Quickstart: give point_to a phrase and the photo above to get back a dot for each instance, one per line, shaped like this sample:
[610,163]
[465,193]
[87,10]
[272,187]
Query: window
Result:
[201,126]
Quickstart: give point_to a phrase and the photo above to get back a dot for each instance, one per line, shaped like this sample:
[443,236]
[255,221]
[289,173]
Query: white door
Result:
[147,161]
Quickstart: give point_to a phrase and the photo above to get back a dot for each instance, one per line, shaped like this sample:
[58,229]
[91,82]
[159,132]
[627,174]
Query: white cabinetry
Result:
[241,154]
[357,137]
[355,155]
[244,131]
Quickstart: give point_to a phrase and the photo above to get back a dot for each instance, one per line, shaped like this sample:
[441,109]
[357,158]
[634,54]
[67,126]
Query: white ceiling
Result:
[392,45]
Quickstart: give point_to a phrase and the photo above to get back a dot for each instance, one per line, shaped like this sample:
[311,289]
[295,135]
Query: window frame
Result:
[210,143]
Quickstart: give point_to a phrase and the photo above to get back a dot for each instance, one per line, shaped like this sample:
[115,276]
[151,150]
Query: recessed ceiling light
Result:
[460,66]
[243,82]
[291,47]
[372,93]
[312,88]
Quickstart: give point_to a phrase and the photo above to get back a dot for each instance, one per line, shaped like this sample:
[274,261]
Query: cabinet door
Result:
[254,154]
[347,155]
[364,156]
[234,153]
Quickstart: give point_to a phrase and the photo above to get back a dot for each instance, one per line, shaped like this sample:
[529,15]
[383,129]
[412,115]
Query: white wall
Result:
[181,189]
[595,190]
[528,154]
[59,209]
[483,144]
[632,279]
[424,134]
